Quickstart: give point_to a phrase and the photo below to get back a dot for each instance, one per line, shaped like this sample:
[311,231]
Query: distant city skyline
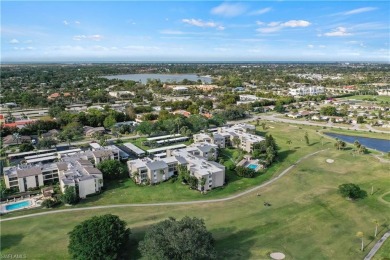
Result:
[186,31]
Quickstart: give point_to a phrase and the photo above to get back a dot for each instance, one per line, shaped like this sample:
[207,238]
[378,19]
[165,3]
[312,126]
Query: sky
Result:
[131,31]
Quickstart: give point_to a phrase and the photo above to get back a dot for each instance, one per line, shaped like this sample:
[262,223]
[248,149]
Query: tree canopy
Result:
[352,191]
[184,239]
[101,237]
[112,169]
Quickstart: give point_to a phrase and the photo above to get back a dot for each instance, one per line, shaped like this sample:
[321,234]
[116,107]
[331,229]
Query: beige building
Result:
[226,135]
[194,158]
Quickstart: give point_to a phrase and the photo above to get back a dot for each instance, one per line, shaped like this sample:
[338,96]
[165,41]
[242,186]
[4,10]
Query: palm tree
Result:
[264,126]
[16,137]
[361,235]
[202,183]
[376,222]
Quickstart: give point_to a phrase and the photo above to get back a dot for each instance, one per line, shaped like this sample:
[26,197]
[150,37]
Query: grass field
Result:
[366,97]
[308,219]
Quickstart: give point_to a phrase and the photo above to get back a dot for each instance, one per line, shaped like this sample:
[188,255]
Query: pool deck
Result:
[33,204]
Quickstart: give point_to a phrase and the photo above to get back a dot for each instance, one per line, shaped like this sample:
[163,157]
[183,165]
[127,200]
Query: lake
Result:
[382,145]
[163,77]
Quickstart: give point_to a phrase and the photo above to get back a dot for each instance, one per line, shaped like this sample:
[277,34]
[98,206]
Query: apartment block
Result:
[194,158]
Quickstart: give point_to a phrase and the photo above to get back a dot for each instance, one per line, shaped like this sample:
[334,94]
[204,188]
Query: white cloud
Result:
[310,46]
[296,23]
[360,10]
[65,22]
[229,10]
[28,41]
[260,23]
[338,32]
[277,26]
[77,22]
[14,41]
[94,37]
[200,23]
[261,11]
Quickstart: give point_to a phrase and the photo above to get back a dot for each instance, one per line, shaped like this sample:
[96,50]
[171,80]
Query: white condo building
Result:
[307,90]
[194,158]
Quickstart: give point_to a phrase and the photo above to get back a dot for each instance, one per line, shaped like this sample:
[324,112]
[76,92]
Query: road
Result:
[291,121]
[377,246]
[170,203]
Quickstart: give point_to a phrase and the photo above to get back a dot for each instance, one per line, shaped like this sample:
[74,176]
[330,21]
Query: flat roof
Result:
[156,150]
[162,137]
[70,151]
[42,159]
[134,148]
[39,155]
[173,140]
[30,152]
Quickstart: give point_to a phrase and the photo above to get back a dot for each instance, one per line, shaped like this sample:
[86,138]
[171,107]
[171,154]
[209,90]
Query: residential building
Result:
[194,158]
[307,90]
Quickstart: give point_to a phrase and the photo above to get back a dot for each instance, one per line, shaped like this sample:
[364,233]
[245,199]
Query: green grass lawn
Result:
[386,197]
[384,252]
[308,218]
[363,97]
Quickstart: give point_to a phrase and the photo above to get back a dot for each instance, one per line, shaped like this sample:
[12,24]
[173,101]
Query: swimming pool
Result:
[252,166]
[18,205]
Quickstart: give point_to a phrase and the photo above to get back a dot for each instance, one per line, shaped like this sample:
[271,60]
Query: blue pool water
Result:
[252,166]
[18,205]
[382,145]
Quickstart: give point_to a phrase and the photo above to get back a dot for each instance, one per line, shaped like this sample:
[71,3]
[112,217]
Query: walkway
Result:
[170,203]
[377,246]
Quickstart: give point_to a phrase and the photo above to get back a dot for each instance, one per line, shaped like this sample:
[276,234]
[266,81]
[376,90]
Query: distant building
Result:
[307,90]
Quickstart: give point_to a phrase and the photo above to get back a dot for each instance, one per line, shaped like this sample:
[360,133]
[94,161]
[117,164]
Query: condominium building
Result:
[76,168]
[225,136]
[194,158]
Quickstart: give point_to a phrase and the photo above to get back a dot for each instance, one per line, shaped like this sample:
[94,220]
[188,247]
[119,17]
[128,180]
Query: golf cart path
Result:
[169,203]
[377,246]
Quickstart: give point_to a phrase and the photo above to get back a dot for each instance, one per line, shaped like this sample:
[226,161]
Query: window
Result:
[36,181]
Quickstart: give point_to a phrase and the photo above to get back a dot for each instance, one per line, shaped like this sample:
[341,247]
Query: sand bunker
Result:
[329,160]
[277,256]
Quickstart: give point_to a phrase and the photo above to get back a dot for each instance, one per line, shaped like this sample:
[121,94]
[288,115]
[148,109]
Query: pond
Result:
[163,77]
[382,145]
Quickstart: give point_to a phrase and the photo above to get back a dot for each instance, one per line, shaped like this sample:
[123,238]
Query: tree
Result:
[112,169]
[307,138]
[46,143]
[328,111]
[71,131]
[202,183]
[70,195]
[360,120]
[236,141]
[109,121]
[289,142]
[26,147]
[361,235]
[185,239]
[100,237]
[352,191]
[339,144]
[264,126]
